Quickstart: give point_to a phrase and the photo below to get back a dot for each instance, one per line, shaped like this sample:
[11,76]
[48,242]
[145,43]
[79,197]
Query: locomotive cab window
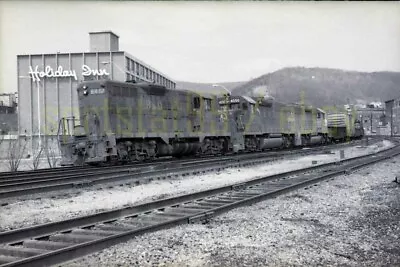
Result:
[207,104]
[234,106]
[252,108]
[196,102]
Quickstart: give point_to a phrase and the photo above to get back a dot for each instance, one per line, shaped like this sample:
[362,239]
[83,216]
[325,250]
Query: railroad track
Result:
[79,169]
[56,242]
[17,186]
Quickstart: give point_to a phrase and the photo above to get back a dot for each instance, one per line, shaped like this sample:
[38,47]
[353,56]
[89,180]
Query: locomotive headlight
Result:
[85,90]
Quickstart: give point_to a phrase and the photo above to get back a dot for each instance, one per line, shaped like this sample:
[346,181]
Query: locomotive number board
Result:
[232,100]
[97,91]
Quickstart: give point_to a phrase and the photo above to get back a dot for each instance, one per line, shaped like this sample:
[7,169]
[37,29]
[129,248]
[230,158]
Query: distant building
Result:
[8,113]
[8,103]
[392,115]
[372,118]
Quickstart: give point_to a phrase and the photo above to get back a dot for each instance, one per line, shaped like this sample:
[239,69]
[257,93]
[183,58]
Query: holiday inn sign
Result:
[49,72]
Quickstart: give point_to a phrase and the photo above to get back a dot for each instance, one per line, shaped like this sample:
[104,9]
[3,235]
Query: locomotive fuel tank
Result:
[178,149]
[271,142]
[316,140]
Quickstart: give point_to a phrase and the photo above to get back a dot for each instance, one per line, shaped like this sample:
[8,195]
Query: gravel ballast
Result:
[81,202]
[353,220]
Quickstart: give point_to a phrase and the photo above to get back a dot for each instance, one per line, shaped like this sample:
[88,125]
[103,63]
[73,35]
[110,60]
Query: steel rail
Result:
[39,179]
[57,242]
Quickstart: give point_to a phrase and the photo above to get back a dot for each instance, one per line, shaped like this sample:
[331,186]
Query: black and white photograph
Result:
[199,133]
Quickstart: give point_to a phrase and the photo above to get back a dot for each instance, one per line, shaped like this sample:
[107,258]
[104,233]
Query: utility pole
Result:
[391,120]
[371,122]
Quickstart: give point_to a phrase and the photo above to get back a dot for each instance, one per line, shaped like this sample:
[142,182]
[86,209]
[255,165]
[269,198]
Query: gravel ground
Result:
[353,220]
[88,201]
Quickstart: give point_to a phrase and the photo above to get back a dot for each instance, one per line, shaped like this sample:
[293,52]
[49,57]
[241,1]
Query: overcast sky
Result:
[209,41]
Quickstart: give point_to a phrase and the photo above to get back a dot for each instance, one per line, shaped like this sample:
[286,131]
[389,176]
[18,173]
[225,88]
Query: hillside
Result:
[207,87]
[322,86]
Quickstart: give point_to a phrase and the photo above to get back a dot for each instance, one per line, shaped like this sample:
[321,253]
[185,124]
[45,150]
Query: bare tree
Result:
[2,149]
[15,152]
[36,154]
[51,154]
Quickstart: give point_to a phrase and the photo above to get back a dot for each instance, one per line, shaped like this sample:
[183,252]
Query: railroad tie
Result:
[73,238]
[7,259]
[44,244]
[119,227]
[22,252]
[97,232]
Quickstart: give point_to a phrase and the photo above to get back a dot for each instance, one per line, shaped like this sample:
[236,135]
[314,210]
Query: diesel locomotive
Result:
[344,125]
[125,122]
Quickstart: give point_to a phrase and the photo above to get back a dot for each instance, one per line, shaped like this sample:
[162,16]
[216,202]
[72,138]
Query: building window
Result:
[141,70]
[127,63]
[136,68]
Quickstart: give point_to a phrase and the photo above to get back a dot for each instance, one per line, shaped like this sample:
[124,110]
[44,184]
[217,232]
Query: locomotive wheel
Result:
[286,142]
[141,157]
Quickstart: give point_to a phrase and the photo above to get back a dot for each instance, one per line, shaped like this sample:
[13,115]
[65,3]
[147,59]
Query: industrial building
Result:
[372,119]
[392,111]
[8,113]
[47,82]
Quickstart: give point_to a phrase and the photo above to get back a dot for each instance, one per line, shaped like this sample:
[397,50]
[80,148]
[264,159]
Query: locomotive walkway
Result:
[52,243]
